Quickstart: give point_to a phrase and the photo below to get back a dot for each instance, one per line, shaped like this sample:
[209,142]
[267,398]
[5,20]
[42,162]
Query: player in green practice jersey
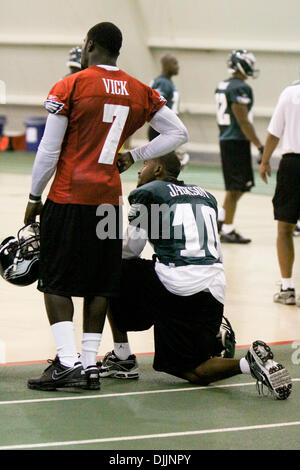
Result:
[180,292]
[166,87]
[234,101]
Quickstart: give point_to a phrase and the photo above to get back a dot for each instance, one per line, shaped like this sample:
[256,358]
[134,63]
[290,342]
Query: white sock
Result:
[227,228]
[221,214]
[244,366]
[90,344]
[287,283]
[64,338]
[122,350]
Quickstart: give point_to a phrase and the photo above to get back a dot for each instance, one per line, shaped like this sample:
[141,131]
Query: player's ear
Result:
[90,45]
[158,170]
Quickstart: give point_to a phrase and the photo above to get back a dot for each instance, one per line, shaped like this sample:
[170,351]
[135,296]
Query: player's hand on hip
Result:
[32,211]
[124,161]
[264,171]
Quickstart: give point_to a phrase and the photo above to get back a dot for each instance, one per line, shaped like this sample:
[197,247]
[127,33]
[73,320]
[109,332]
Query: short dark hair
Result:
[171,164]
[108,36]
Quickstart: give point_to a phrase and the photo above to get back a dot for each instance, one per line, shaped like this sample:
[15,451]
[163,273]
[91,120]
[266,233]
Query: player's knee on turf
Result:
[194,378]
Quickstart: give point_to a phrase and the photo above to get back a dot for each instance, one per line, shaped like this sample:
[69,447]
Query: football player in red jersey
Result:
[91,114]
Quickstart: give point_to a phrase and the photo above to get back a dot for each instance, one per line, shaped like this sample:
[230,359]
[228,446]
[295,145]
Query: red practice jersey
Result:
[104,107]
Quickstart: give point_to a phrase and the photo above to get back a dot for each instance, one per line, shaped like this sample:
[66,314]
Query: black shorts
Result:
[185,327]
[286,200]
[73,260]
[237,165]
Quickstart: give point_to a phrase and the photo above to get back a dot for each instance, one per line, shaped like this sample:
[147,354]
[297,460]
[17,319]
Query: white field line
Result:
[149,436]
[127,394]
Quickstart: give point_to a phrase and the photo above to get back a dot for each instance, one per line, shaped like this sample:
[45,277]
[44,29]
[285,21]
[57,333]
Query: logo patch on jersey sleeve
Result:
[243,99]
[53,106]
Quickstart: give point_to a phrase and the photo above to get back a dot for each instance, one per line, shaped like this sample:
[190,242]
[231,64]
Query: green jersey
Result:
[232,90]
[180,221]
[166,88]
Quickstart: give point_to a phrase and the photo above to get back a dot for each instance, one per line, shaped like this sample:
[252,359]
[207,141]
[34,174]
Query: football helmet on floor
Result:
[19,257]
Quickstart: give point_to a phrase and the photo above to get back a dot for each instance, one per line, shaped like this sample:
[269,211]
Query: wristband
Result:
[33,201]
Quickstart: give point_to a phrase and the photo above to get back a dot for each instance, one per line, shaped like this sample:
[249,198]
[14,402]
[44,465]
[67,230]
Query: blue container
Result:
[2,124]
[35,127]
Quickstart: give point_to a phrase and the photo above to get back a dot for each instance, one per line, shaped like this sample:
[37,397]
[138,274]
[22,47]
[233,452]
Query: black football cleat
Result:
[233,237]
[59,376]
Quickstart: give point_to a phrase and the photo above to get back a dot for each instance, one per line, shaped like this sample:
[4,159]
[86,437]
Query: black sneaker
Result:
[268,372]
[233,237]
[92,377]
[58,376]
[225,340]
[111,366]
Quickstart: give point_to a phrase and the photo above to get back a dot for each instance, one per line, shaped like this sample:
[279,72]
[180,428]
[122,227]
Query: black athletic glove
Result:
[259,158]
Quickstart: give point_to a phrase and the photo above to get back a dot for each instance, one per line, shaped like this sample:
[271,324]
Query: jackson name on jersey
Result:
[180,220]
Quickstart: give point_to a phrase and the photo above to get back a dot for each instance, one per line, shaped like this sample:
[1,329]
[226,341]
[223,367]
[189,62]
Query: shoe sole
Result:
[234,242]
[49,386]
[120,375]
[277,376]
[285,302]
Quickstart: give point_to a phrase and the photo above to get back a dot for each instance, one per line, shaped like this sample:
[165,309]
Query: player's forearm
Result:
[134,242]
[48,153]
[172,134]
[270,146]
[249,132]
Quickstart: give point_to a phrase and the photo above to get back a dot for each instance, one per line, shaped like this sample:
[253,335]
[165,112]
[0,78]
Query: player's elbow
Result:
[183,135]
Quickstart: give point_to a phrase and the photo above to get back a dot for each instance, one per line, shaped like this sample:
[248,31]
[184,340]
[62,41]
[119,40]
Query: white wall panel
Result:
[35,36]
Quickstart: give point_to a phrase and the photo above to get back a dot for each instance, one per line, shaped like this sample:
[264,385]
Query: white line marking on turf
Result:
[149,436]
[127,394]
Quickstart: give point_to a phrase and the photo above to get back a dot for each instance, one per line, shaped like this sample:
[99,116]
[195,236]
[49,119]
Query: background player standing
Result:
[166,87]
[91,114]
[285,125]
[234,100]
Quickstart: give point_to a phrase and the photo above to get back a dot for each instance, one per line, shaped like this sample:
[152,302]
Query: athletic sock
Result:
[287,283]
[244,366]
[64,338]
[122,350]
[221,214]
[227,228]
[90,344]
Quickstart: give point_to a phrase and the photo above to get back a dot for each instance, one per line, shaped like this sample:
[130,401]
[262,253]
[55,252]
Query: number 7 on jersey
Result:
[117,115]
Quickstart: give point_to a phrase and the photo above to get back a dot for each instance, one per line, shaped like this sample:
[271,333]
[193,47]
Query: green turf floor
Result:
[206,176]
[157,412]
